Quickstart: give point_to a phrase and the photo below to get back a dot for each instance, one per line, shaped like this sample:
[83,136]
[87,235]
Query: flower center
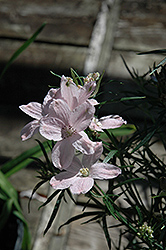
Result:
[84,172]
[67,131]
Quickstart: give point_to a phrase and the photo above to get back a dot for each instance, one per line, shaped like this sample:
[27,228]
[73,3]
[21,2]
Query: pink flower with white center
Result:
[106,122]
[37,111]
[66,127]
[79,176]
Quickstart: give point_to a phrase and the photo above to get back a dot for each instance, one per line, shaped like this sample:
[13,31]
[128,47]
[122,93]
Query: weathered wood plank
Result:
[141,26]
[68,22]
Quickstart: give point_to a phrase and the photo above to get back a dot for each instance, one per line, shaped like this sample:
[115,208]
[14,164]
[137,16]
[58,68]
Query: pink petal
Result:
[81,185]
[33,109]
[50,128]
[51,95]
[59,183]
[104,171]
[96,125]
[69,92]
[81,117]
[59,109]
[63,153]
[90,159]
[29,130]
[75,166]
[111,121]
[86,91]
[84,144]
[93,102]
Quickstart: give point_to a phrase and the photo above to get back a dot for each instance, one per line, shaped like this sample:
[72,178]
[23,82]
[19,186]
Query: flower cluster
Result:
[63,117]
[145,231]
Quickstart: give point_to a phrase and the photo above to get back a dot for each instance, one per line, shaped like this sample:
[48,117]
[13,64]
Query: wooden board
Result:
[68,22]
[141,25]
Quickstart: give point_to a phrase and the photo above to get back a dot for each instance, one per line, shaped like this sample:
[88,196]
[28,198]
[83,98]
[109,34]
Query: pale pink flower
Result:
[74,94]
[106,122]
[79,176]
[37,111]
[66,127]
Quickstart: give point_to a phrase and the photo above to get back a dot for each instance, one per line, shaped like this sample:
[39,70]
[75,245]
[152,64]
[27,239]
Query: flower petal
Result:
[84,144]
[81,185]
[96,125]
[69,92]
[33,109]
[111,121]
[93,102]
[29,130]
[50,128]
[51,95]
[61,183]
[81,117]
[59,109]
[104,171]
[63,153]
[75,166]
[90,159]
[86,91]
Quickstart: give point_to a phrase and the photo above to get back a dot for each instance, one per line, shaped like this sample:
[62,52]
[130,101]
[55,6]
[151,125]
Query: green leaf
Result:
[105,229]
[127,129]
[110,155]
[160,64]
[7,188]
[26,242]
[22,48]
[12,206]
[110,207]
[22,160]
[156,51]
[75,76]
[55,74]
[124,183]
[129,98]
[139,215]
[44,152]
[95,218]
[145,140]
[50,198]
[55,210]
[79,216]
[39,184]
[162,194]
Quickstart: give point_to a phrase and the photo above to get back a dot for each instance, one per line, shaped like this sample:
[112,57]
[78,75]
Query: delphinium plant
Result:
[85,149]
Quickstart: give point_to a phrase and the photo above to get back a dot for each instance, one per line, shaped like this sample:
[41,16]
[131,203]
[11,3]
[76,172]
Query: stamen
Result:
[84,172]
[67,131]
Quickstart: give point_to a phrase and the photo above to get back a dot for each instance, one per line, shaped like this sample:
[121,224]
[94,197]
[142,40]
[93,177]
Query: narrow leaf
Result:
[144,141]
[39,184]
[14,165]
[110,155]
[156,51]
[50,198]
[105,229]
[22,48]
[78,217]
[55,210]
